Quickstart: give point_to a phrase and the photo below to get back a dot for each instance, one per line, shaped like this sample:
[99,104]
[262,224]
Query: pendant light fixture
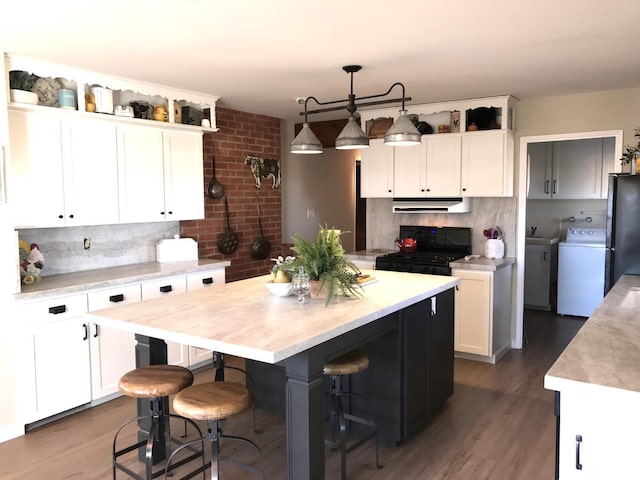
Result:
[402,133]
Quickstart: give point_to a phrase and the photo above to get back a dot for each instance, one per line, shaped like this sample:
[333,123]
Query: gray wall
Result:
[324,183]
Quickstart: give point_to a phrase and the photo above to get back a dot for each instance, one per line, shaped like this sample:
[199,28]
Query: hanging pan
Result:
[215,190]
[261,248]
[228,241]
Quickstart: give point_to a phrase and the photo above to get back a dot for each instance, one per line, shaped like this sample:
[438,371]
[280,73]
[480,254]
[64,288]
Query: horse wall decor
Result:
[264,168]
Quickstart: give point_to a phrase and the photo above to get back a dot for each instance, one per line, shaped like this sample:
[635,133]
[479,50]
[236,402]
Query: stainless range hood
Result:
[432,205]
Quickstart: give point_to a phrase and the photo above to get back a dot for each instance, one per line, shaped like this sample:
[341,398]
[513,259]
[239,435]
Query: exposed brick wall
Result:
[240,134]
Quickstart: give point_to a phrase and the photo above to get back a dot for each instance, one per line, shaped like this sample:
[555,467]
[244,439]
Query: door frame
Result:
[523,181]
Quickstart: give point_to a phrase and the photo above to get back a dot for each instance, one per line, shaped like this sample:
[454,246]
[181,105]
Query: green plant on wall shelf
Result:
[324,260]
[631,152]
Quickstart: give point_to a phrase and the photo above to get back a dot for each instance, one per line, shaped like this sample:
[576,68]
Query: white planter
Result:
[494,248]
[22,96]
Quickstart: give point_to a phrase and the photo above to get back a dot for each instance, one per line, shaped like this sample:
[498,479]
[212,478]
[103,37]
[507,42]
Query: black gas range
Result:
[436,247]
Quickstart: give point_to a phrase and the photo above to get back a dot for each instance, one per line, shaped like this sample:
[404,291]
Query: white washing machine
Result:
[581,271]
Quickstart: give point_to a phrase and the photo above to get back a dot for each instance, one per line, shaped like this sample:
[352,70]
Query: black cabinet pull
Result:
[578,442]
[86,331]
[57,309]
[207,281]
[170,212]
[166,289]
[117,298]
[546,186]
[71,216]
[60,216]
[97,332]
[464,189]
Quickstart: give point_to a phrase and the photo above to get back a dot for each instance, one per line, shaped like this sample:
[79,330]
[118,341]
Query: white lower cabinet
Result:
[598,433]
[177,354]
[70,362]
[112,350]
[483,313]
[197,281]
[57,359]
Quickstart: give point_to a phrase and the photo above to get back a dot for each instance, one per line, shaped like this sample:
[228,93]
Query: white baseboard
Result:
[9,432]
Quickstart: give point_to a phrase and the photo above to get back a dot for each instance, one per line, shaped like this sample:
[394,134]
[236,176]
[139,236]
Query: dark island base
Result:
[410,372]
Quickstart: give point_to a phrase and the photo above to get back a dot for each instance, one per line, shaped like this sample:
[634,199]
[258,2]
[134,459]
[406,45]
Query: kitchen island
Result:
[243,319]
[597,382]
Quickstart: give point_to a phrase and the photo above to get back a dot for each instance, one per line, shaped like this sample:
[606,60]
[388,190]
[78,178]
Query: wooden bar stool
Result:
[213,402]
[347,364]
[155,383]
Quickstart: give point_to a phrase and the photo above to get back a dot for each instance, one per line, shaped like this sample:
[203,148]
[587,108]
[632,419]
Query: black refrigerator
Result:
[623,228]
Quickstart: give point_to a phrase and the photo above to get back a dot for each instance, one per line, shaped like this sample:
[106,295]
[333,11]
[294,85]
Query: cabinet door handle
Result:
[60,216]
[86,331]
[207,281]
[578,443]
[165,288]
[117,298]
[71,216]
[57,309]
[544,256]
[546,186]
[555,183]
[97,332]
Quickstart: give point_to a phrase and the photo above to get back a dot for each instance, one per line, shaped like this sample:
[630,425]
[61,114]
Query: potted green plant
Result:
[631,153]
[325,263]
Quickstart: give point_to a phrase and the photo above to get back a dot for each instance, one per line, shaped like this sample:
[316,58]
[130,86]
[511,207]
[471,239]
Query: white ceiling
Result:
[257,55]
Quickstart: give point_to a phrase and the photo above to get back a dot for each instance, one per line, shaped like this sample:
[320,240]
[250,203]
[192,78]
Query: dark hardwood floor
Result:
[499,424]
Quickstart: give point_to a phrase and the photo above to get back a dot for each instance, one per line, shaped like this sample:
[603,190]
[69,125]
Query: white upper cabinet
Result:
[569,169]
[183,174]
[487,164]
[409,170]
[141,172]
[444,153]
[464,163]
[377,170]
[64,172]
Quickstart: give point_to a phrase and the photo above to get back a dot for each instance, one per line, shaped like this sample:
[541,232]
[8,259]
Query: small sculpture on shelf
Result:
[31,262]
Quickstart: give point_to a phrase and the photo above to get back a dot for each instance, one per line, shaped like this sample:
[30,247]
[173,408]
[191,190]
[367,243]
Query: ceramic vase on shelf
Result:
[494,248]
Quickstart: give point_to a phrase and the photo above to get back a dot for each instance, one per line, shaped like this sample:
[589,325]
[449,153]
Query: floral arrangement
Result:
[631,152]
[492,233]
[283,269]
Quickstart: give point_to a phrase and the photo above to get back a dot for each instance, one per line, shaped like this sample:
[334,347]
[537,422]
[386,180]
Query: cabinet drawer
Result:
[113,297]
[161,288]
[210,278]
[54,309]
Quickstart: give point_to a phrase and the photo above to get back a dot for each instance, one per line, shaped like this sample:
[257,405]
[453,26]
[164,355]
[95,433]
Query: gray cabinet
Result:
[570,169]
[540,274]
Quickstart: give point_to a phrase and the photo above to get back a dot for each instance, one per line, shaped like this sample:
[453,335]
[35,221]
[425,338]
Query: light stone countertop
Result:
[70,283]
[483,263]
[606,350]
[242,318]
[368,255]
[541,240]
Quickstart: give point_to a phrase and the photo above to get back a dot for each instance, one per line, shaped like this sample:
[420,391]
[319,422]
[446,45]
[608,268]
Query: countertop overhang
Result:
[242,318]
[606,350]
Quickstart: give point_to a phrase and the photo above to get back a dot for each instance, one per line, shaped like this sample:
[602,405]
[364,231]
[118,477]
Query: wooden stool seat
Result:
[155,381]
[347,364]
[353,362]
[212,401]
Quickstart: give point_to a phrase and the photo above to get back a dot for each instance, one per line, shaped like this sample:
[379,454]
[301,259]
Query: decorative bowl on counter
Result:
[279,289]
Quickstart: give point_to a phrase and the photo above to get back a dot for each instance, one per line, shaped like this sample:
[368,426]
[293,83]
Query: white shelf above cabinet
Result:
[84,79]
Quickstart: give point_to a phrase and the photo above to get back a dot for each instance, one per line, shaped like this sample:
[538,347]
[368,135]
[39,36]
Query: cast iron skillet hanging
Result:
[228,241]
[215,190]
[261,248]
